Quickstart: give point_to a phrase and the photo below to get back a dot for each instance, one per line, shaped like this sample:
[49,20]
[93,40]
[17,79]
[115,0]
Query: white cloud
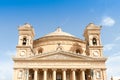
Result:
[113,66]
[6,65]
[118,38]
[6,70]
[107,21]
[108,47]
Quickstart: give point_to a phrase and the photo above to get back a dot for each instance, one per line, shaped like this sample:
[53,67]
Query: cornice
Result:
[79,57]
[51,38]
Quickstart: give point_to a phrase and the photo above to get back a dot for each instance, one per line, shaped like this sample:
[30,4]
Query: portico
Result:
[54,74]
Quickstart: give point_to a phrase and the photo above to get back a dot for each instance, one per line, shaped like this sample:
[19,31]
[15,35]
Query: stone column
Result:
[35,74]
[104,74]
[54,74]
[82,74]
[73,74]
[45,74]
[64,74]
[15,74]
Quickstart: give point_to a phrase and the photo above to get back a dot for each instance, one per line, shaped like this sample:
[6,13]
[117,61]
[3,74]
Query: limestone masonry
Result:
[59,55]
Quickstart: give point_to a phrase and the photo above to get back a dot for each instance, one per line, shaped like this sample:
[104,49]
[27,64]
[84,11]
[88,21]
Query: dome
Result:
[59,32]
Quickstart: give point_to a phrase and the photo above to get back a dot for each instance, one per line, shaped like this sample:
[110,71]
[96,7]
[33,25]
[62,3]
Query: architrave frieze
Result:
[58,64]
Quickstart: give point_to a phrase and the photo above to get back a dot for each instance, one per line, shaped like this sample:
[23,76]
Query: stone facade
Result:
[59,55]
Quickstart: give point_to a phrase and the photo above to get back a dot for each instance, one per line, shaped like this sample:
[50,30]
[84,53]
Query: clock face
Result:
[95,53]
[22,53]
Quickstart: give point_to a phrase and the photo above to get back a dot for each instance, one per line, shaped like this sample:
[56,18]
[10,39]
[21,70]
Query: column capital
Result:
[64,69]
[82,69]
[45,69]
[54,69]
[35,69]
[73,69]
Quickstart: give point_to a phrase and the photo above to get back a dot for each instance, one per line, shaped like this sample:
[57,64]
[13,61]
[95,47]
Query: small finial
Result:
[58,29]
[100,26]
[27,25]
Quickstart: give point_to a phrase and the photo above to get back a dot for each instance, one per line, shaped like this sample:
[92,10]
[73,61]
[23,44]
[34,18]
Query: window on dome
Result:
[39,51]
[78,51]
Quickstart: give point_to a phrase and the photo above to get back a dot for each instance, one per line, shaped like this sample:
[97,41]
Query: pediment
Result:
[60,56]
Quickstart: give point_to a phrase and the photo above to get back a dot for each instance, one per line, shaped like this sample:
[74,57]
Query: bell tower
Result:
[94,47]
[25,41]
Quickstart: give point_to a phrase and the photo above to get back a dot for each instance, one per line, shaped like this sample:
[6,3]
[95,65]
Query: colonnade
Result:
[75,74]
[64,74]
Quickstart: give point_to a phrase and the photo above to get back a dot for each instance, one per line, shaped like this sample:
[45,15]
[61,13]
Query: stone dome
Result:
[59,32]
[56,38]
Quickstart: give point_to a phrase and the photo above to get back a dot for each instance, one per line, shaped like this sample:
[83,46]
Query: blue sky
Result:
[71,15]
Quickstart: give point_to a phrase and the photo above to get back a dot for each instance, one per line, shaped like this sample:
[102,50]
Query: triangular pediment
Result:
[61,55]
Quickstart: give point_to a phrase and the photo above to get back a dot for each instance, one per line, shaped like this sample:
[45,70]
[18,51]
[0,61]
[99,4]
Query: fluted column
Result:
[64,74]
[82,74]
[45,74]
[35,74]
[73,74]
[54,74]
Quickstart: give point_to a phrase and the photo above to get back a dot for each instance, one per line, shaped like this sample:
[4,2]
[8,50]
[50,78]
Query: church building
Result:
[59,55]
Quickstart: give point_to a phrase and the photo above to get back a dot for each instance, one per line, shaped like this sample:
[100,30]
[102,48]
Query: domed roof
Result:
[59,32]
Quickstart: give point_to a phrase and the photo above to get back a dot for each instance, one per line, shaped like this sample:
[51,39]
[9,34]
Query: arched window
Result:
[24,41]
[40,51]
[78,51]
[94,41]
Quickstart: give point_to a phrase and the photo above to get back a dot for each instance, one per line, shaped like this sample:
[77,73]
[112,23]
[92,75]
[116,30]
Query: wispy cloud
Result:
[113,66]
[118,38]
[6,65]
[108,47]
[108,21]
[6,70]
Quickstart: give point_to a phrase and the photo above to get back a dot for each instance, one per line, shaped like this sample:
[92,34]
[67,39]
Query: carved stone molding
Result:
[44,69]
[73,69]
[82,69]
